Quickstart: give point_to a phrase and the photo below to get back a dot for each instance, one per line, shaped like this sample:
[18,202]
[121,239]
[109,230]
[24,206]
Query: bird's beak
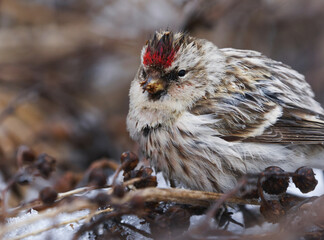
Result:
[153,85]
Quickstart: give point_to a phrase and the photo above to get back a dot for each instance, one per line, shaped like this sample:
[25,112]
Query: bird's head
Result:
[168,62]
[175,71]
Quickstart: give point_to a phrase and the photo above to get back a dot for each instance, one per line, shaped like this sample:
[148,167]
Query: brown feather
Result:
[245,100]
[293,129]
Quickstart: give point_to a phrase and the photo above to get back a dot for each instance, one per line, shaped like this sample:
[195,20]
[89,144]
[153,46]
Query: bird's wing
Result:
[261,100]
[289,129]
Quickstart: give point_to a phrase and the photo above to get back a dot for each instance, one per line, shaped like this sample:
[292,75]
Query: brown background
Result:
[66,66]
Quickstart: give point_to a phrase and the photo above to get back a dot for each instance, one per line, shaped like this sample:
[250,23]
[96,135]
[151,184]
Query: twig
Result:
[101,219]
[183,196]
[133,228]
[119,169]
[74,191]
[37,203]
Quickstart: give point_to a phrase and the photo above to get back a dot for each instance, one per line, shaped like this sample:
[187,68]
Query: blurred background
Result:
[66,65]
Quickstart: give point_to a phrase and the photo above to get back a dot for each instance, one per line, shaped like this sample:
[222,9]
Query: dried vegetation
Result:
[166,212]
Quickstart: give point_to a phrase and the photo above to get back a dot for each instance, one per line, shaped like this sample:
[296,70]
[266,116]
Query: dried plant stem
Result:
[182,196]
[74,191]
[13,212]
[131,181]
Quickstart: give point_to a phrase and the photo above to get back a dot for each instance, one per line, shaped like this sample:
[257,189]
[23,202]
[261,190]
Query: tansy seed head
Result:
[304,179]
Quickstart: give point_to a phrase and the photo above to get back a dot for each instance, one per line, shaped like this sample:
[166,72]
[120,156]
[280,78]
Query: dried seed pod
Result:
[272,210]
[146,172]
[119,191]
[275,182]
[67,182]
[146,182]
[48,195]
[97,177]
[45,165]
[129,160]
[146,179]
[129,175]
[25,156]
[102,199]
[304,179]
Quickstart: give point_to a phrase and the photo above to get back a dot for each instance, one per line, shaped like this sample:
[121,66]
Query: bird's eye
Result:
[181,73]
[143,73]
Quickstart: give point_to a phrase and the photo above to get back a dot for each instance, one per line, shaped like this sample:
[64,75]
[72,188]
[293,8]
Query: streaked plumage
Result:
[233,112]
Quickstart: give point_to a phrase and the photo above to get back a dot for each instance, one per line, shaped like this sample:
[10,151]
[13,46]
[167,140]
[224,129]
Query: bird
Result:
[206,116]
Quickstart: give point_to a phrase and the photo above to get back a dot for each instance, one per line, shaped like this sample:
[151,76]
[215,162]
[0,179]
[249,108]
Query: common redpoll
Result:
[206,116]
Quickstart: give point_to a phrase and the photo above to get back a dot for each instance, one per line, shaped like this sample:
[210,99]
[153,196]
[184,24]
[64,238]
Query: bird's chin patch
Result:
[157,96]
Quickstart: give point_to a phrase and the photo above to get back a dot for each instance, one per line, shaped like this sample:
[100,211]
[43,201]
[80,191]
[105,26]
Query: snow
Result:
[162,183]
[136,222]
[262,229]
[65,232]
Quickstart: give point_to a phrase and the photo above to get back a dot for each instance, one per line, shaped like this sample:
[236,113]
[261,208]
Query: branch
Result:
[182,196]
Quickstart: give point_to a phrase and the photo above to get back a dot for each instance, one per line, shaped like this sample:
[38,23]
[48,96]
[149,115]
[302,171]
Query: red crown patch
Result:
[160,52]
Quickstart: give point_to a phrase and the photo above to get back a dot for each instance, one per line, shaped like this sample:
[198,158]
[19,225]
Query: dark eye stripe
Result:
[143,73]
[171,76]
